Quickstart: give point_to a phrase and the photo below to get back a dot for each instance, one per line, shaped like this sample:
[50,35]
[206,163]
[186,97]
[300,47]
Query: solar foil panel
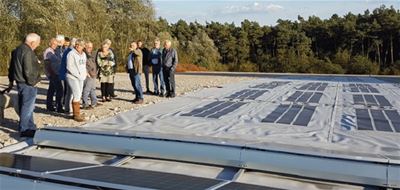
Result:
[36,164]
[141,178]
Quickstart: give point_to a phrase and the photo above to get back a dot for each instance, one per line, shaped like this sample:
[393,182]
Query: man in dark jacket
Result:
[169,63]
[135,67]
[24,70]
[89,86]
[52,62]
[146,65]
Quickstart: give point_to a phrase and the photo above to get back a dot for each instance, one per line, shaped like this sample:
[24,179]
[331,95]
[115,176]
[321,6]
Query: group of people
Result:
[72,67]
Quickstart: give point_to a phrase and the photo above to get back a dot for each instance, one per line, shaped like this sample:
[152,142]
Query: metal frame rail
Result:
[362,169]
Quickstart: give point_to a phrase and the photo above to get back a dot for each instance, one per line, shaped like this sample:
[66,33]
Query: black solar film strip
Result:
[371,100]
[305,97]
[294,115]
[215,109]
[305,116]
[314,86]
[365,88]
[363,120]
[381,123]
[247,94]
[274,115]
[239,94]
[37,164]
[227,110]
[202,109]
[394,117]
[379,120]
[271,85]
[141,178]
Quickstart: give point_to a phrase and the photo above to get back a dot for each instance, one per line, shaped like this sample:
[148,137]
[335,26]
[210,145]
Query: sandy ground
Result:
[122,103]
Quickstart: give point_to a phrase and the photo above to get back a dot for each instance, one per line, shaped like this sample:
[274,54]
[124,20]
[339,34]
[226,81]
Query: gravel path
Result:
[122,103]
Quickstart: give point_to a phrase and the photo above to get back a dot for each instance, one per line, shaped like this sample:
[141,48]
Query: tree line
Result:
[367,43]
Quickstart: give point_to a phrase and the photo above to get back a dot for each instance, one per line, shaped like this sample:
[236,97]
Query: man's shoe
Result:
[28,133]
[148,92]
[51,109]
[114,95]
[162,95]
[156,93]
[139,101]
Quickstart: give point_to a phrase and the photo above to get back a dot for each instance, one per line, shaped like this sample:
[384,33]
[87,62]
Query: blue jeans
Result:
[89,89]
[55,87]
[158,74]
[26,98]
[136,84]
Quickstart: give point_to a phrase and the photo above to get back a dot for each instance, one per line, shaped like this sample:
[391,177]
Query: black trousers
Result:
[169,79]
[146,69]
[112,89]
[106,89]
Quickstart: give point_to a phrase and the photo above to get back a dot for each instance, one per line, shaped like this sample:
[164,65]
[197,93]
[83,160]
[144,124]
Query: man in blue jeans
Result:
[25,71]
[155,59]
[52,62]
[134,68]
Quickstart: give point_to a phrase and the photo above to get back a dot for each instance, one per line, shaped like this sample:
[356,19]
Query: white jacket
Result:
[76,65]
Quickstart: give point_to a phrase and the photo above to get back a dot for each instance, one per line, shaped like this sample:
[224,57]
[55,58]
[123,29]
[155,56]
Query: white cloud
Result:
[255,7]
[274,8]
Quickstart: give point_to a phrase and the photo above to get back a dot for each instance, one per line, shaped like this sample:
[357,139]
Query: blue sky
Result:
[264,12]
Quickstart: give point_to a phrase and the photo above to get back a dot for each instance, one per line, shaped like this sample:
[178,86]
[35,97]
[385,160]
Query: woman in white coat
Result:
[76,75]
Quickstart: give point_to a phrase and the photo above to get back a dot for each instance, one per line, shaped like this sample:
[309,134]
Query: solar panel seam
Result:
[298,97]
[363,120]
[378,120]
[381,121]
[280,117]
[304,117]
[392,123]
[394,117]
[289,116]
[272,118]
[297,115]
[223,111]
[203,109]
[211,111]
[372,121]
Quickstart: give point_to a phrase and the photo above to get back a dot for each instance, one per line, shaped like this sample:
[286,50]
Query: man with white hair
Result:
[169,63]
[25,71]
[52,63]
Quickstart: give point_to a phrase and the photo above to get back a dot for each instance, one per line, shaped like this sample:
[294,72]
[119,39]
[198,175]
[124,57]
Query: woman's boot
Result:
[77,112]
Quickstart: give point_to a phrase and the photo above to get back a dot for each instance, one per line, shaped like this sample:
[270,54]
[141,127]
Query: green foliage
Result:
[342,58]
[362,65]
[203,52]
[248,67]
[357,44]
[393,70]
[325,66]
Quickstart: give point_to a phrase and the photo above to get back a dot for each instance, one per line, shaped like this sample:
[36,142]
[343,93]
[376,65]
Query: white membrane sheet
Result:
[337,113]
